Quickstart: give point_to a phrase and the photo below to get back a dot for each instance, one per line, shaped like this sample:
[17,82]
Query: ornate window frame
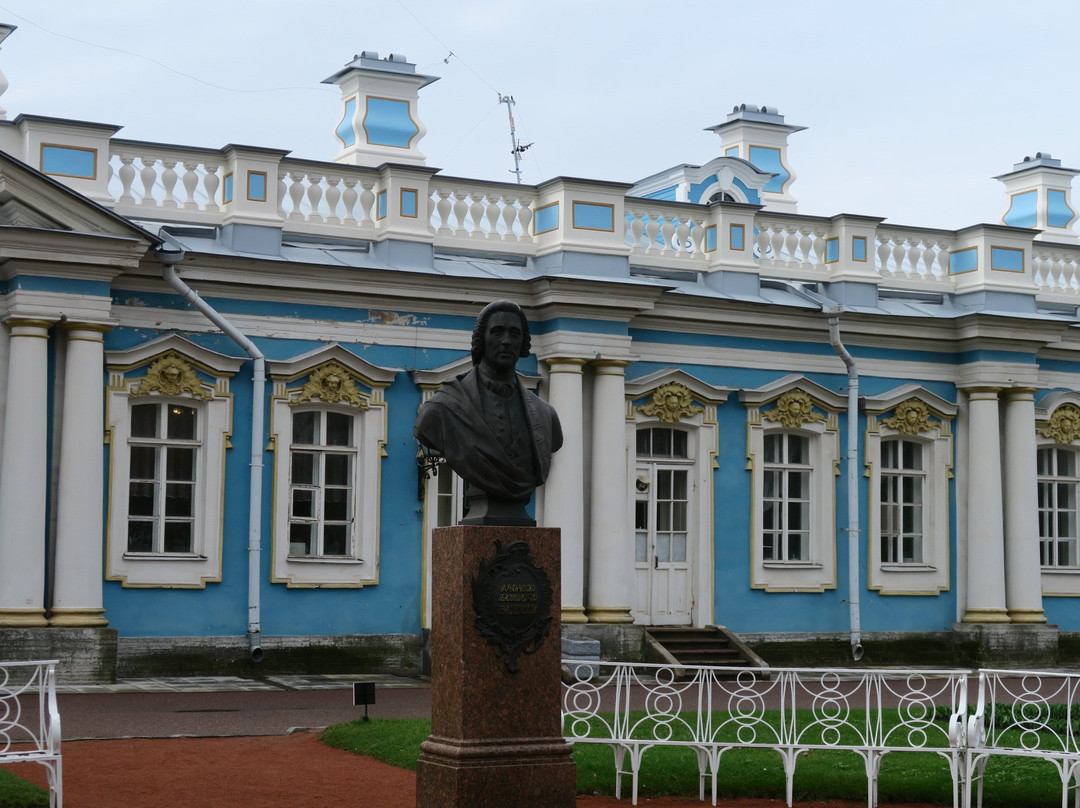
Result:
[909,412]
[673,398]
[170,368]
[1057,423]
[795,405]
[330,379]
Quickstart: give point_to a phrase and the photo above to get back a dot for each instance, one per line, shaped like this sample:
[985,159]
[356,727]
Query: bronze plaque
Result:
[512,597]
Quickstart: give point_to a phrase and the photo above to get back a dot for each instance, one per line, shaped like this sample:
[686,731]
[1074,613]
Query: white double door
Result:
[663,583]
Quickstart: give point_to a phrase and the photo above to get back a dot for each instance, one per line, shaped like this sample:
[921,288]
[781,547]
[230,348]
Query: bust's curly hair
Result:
[481,327]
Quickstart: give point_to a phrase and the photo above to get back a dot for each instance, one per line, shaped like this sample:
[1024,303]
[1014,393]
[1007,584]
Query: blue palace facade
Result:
[837,437]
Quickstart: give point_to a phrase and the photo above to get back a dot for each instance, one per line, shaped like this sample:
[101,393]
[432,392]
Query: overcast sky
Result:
[911,107]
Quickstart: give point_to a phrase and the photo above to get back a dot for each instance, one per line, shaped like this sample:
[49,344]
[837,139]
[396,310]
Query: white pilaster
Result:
[611,556]
[563,507]
[23,477]
[77,577]
[1023,578]
[985,534]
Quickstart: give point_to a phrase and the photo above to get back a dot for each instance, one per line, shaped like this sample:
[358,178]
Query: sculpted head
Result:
[480,329]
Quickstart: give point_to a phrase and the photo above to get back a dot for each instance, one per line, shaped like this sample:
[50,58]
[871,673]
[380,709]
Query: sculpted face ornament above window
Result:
[171,375]
[333,384]
[1064,425]
[671,403]
[911,417]
[794,409]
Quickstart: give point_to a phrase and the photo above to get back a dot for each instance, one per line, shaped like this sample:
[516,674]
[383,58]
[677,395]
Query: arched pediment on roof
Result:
[730,177]
[816,394]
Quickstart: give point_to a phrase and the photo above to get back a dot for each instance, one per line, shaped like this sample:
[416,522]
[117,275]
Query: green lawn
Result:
[819,775]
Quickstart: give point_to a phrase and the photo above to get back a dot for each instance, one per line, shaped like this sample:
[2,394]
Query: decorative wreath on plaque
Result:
[512,597]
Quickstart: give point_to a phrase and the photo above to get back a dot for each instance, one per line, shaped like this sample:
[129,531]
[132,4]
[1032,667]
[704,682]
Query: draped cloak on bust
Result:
[452,423]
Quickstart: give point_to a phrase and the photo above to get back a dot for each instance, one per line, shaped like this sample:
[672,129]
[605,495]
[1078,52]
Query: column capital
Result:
[72,326]
[28,325]
[614,367]
[1020,393]
[565,364]
[982,391]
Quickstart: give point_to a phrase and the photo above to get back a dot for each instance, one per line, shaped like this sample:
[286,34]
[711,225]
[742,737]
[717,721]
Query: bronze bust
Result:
[496,435]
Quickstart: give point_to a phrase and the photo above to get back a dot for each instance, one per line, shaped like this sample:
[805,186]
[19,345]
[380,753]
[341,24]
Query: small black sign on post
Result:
[363,693]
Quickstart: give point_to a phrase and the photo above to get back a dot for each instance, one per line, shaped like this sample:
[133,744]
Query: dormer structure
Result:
[1040,197]
[759,135]
[722,179]
[380,122]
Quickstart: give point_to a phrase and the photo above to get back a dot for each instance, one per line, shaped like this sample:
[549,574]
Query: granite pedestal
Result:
[496,734]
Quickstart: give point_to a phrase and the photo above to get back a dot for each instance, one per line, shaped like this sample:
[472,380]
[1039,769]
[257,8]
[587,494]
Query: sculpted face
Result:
[502,342]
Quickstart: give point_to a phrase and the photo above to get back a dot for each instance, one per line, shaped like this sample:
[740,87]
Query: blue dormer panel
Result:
[1058,212]
[768,159]
[388,123]
[752,196]
[344,129]
[664,194]
[697,189]
[1021,212]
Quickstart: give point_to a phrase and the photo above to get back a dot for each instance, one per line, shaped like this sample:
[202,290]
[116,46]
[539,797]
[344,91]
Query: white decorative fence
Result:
[30,720]
[636,707]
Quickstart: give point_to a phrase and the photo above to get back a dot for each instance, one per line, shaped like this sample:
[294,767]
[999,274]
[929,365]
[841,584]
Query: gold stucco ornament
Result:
[793,409]
[671,403]
[911,417]
[332,383]
[171,375]
[1064,425]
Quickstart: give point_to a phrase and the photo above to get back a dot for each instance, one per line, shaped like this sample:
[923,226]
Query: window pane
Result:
[678,548]
[178,499]
[768,546]
[771,483]
[1044,461]
[772,448]
[641,515]
[181,422]
[180,464]
[178,537]
[797,513]
[300,538]
[678,516]
[1066,463]
[338,429]
[888,454]
[663,484]
[661,442]
[303,468]
[336,540]
[678,448]
[641,547]
[337,469]
[303,503]
[141,497]
[679,485]
[304,425]
[798,449]
[336,504]
[798,484]
[663,547]
[795,547]
[144,421]
[912,455]
[644,442]
[768,515]
[140,536]
[143,463]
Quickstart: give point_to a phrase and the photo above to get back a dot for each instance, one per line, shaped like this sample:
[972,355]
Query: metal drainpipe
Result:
[832,310]
[169,259]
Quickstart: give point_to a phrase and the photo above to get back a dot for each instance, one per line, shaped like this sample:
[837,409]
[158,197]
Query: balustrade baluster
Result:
[779,238]
[461,208]
[190,182]
[899,253]
[667,233]
[682,237]
[348,199]
[805,241]
[127,177]
[476,215]
[509,216]
[818,246]
[282,192]
[211,182]
[296,194]
[763,243]
[697,240]
[168,184]
[652,230]
[148,176]
[333,199]
[443,208]
[525,215]
[492,214]
[367,200]
[314,197]
[883,253]
[929,259]
[914,257]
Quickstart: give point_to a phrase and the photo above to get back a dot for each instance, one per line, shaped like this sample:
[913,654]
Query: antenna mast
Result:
[516,148]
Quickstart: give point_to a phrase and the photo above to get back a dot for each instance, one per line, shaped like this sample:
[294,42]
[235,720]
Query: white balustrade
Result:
[913,255]
[466,214]
[1056,269]
[655,230]
[144,177]
[790,243]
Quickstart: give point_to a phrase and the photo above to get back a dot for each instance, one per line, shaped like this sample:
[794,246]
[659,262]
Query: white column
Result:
[77,576]
[611,551]
[563,491]
[23,477]
[1023,577]
[985,530]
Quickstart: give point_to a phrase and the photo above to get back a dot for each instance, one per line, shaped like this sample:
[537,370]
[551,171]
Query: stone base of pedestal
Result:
[496,728]
[522,772]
